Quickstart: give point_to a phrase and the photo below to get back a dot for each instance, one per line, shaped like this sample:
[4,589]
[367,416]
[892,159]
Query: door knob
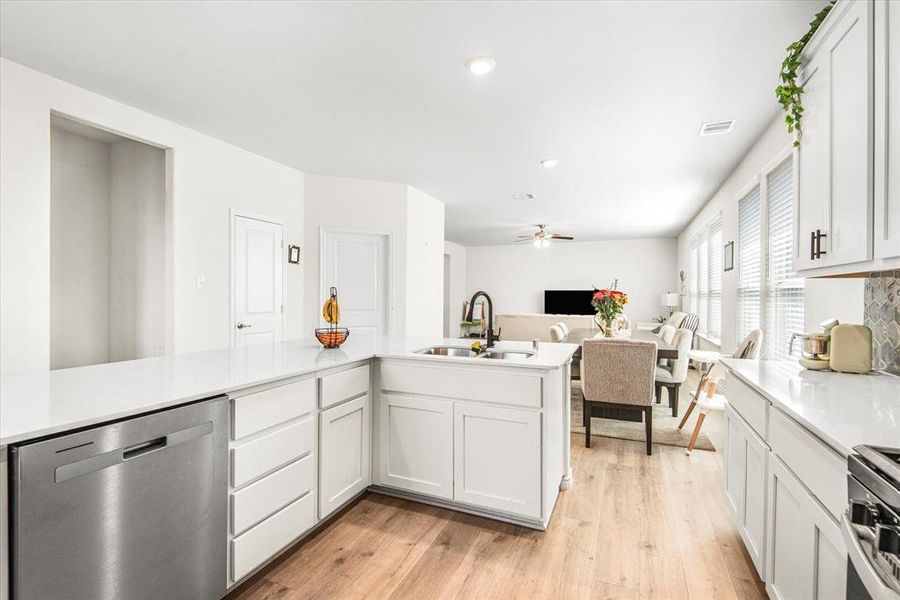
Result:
[242,325]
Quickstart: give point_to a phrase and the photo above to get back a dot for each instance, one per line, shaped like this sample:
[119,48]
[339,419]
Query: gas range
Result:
[871,524]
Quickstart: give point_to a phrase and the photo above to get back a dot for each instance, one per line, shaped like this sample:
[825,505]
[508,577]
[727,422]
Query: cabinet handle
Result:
[812,245]
[819,236]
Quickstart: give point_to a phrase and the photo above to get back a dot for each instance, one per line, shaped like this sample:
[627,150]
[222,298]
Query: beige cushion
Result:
[527,326]
[618,370]
[676,318]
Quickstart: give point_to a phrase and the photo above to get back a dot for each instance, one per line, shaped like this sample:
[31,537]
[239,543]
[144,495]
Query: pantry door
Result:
[257,279]
[358,265]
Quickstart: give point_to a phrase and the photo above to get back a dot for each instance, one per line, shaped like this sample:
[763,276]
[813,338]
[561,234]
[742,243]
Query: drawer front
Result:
[486,385]
[268,452]
[752,407]
[262,498]
[267,408]
[260,543]
[336,388]
[818,467]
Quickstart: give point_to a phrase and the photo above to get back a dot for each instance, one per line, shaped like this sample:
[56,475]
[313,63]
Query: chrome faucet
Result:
[490,324]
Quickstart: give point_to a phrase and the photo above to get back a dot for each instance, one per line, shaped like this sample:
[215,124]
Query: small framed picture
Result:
[294,254]
[729,256]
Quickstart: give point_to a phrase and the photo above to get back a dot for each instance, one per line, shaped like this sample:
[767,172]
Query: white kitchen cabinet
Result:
[806,558]
[746,462]
[344,453]
[887,129]
[416,444]
[835,175]
[497,458]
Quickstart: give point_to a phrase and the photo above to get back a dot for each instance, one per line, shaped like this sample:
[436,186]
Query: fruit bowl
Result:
[332,337]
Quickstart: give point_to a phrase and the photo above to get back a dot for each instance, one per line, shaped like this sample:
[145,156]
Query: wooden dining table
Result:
[663,348]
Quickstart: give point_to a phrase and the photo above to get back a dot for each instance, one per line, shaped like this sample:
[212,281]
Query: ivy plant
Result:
[790,91]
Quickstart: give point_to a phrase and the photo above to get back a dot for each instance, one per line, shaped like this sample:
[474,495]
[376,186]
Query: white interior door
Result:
[357,264]
[258,278]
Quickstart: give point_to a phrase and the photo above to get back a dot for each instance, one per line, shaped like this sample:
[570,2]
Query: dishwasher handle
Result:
[98,462]
[143,448]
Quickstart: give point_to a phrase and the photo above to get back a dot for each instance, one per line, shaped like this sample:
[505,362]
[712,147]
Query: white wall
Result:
[205,177]
[824,298]
[424,264]
[356,204]
[459,290]
[516,276]
[415,222]
[137,318]
[80,253]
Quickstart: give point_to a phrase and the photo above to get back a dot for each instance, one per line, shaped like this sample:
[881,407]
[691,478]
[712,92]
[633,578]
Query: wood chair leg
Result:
[673,399]
[658,393]
[648,428]
[587,428]
[687,413]
[696,433]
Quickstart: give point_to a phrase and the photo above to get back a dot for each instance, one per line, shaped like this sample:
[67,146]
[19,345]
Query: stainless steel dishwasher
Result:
[132,509]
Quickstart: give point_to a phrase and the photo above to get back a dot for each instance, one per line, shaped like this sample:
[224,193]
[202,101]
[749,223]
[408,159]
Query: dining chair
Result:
[707,359]
[666,333]
[556,333]
[671,375]
[617,373]
[691,321]
[564,327]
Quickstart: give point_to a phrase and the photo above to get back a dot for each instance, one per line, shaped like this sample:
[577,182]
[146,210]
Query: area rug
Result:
[665,426]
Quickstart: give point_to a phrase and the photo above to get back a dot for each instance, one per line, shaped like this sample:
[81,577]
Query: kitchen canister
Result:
[851,349]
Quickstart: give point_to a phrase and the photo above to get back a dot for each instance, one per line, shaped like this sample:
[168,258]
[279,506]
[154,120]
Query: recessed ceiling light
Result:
[717,127]
[549,163]
[480,65]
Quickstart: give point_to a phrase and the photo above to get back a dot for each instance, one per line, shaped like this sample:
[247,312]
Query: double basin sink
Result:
[468,352]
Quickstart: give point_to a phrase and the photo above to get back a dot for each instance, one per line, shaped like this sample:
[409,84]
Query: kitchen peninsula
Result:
[310,429]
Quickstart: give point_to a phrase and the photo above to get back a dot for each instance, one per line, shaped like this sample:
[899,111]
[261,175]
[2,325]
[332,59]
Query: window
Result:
[784,290]
[749,280]
[705,278]
[769,293]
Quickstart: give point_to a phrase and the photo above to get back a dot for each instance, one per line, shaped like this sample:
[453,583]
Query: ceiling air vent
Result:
[716,127]
[519,197]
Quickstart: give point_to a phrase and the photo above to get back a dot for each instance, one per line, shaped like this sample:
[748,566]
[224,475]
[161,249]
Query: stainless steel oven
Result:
[871,524]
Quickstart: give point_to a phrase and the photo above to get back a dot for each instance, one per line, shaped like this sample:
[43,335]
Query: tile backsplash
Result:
[882,316]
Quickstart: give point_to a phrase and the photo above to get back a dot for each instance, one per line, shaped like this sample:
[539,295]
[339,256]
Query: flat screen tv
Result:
[568,302]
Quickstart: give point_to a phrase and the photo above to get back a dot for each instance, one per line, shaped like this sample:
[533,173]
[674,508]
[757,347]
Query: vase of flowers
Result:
[608,303]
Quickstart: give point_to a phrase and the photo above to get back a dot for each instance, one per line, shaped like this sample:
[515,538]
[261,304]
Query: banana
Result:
[331,311]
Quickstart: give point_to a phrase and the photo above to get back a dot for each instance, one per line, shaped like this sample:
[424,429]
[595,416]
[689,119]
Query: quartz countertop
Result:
[841,409]
[50,402]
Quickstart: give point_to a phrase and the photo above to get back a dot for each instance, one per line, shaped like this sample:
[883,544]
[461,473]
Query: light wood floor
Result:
[633,526]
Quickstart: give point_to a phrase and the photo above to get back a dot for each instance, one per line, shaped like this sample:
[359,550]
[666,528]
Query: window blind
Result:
[714,300]
[693,264]
[749,267]
[784,290]
[705,278]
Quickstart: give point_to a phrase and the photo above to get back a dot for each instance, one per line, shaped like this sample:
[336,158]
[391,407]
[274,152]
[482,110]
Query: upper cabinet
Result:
[887,129]
[847,211]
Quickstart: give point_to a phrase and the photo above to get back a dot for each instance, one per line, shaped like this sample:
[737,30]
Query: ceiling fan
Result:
[541,238]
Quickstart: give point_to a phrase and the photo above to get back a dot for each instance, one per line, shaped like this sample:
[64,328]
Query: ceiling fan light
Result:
[537,242]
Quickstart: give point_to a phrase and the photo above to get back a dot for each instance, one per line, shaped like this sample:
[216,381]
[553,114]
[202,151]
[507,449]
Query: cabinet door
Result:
[887,129]
[497,458]
[835,157]
[416,444]
[812,161]
[344,453]
[806,558]
[850,52]
[746,462]
[735,465]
